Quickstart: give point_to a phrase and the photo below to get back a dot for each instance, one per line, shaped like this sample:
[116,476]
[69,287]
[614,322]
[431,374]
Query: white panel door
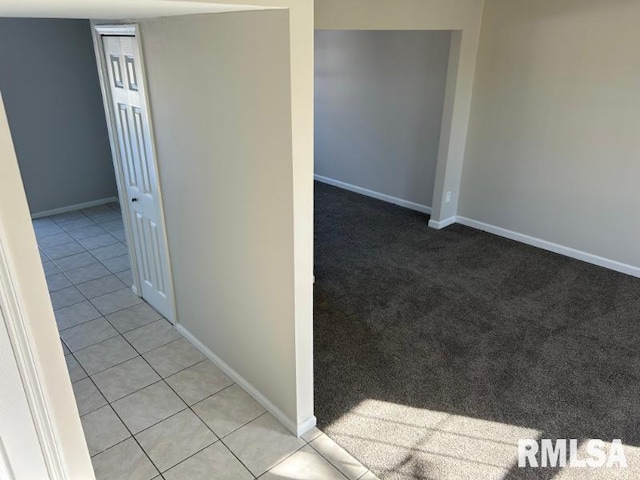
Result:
[20,450]
[137,163]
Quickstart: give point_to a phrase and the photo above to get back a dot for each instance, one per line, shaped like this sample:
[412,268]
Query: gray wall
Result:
[379,98]
[553,149]
[50,86]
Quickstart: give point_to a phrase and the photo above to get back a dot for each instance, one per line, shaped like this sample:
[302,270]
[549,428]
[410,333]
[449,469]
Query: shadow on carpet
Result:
[435,351]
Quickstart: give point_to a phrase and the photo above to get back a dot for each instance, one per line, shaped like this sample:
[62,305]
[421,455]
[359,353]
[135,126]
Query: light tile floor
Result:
[151,405]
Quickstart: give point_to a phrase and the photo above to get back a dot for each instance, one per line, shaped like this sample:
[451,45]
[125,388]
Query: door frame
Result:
[131,30]
[16,324]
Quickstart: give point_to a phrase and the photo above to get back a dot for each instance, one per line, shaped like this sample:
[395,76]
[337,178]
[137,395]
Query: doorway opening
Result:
[253,229]
[379,101]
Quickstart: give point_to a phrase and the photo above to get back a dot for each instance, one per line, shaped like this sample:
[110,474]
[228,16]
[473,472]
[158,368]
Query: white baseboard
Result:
[73,208]
[296,429]
[552,247]
[442,223]
[370,193]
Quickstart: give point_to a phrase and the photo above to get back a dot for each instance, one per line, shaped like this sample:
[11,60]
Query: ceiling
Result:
[112,9]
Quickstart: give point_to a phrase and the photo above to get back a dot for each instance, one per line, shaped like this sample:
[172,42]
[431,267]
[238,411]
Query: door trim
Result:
[132,30]
[23,352]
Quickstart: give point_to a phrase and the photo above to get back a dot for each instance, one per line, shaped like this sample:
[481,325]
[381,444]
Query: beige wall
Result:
[462,16]
[397,14]
[301,24]
[553,149]
[220,96]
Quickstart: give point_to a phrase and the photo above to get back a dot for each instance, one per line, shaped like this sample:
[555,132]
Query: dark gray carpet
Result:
[435,351]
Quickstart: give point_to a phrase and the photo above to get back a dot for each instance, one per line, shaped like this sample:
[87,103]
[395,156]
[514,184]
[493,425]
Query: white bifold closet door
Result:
[134,142]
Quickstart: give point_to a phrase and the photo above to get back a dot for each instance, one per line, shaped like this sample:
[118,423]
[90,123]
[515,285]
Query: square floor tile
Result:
[76,372]
[58,281]
[64,250]
[75,261]
[312,434]
[47,231]
[262,443]
[97,210]
[105,354]
[63,218]
[120,235]
[101,286]
[338,457]
[89,231]
[98,241]
[151,336]
[126,276]
[305,463]
[125,461]
[107,217]
[88,273]
[103,429]
[50,268]
[228,410]
[73,315]
[174,439]
[173,357]
[77,224]
[87,334]
[115,301]
[369,476]
[113,225]
[128,377]
[44,229]
[42,222]
[213,463]
[65,350]
[88,398]
[115,250]
[148,406]
[66,297]
[118,264]
[53,240]
[198,382]
[133,317]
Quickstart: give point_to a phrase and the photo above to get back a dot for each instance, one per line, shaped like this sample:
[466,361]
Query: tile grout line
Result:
[110,403]
[161,378]
[189,407]
[131,435]
[72,353]
[333,464]
[71,281]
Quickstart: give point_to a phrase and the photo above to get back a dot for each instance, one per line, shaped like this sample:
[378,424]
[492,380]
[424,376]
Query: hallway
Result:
[150,403]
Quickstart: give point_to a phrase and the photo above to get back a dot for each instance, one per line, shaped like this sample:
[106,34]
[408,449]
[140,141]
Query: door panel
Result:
[138,166]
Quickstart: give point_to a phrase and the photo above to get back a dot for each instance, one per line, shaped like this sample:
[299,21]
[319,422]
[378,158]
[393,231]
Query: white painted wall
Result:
[49,82]
[462,16]
[553,148]
[220,94]
[379,97]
